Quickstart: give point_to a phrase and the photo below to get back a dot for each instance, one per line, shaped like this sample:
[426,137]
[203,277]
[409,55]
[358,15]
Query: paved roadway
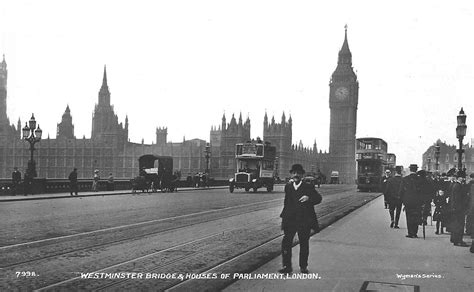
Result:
[186,233]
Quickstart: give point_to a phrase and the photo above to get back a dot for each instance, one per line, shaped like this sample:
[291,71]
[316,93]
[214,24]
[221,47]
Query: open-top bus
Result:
[255,166]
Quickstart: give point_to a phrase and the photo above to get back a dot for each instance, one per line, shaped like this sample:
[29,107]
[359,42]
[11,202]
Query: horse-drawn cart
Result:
[155,173]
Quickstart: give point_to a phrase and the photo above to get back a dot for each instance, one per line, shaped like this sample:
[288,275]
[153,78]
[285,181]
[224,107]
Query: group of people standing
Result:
[451,193]
[74,188]
[18,186]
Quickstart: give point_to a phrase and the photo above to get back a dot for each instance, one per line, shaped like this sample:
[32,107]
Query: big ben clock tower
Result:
[343,99]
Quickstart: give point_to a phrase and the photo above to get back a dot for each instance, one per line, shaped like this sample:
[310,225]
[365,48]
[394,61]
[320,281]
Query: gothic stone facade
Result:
[110,150]
[343,100]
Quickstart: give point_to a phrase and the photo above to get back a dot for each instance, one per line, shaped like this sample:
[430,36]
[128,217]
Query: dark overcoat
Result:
[296,214]
[410,191]
[392,190]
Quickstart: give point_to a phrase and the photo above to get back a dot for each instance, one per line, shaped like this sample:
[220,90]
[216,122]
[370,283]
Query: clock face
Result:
[342,93]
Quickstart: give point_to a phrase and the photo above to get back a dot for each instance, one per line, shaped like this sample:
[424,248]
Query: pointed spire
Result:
[345,55]
[4,63]
[283,118]
[223,124]
[104,79]
[67,109]
[290,120]
[240,118]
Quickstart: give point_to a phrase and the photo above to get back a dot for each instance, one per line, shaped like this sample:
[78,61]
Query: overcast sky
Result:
[182,64]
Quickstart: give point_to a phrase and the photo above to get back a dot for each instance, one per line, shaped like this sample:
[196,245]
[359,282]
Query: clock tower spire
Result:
[343,100]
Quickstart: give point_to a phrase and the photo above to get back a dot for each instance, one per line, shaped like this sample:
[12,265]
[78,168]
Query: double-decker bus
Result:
[371,157]
[255,166]
[391,162]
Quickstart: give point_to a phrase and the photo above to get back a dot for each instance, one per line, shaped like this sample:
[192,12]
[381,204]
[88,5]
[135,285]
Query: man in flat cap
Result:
[298,216]
[412,199]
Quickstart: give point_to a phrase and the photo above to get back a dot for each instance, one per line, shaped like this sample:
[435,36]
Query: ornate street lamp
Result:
[208,156]
[437,152]
[460,133]
[32,134]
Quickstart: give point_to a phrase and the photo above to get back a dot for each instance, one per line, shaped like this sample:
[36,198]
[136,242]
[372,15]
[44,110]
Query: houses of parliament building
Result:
[110,151]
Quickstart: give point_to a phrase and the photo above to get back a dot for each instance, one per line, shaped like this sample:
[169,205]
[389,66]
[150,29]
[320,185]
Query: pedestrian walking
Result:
[393,197]
[471,210]
[439,214]
[95,181]
[458,207]
[469,217]
[427,193]
[110,182]
[412,200]
[16,180]
[298,216]
[383,187]
[73,188]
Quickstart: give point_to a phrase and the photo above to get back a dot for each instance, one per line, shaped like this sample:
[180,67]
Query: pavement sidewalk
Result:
[360,252]
[85,194]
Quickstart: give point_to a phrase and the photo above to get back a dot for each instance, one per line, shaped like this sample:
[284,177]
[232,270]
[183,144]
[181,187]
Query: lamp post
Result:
[437,147]
[32,134]
[460,133]
[207,151]
[277,159]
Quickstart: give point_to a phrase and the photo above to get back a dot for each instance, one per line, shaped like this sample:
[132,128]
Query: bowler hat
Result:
[298,168]
[451,172]
[413,167]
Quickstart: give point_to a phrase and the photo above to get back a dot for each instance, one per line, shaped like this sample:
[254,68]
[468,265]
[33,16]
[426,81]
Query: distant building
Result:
[343,100]
[448,157]
[110,150]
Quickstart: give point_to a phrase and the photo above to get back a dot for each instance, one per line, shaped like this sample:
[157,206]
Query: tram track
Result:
[170,266]
[36,250]
[181,251]
[28,252]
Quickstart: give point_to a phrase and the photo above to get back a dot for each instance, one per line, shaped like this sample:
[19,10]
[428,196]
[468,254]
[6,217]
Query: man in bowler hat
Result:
[411,196]
[298,216]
